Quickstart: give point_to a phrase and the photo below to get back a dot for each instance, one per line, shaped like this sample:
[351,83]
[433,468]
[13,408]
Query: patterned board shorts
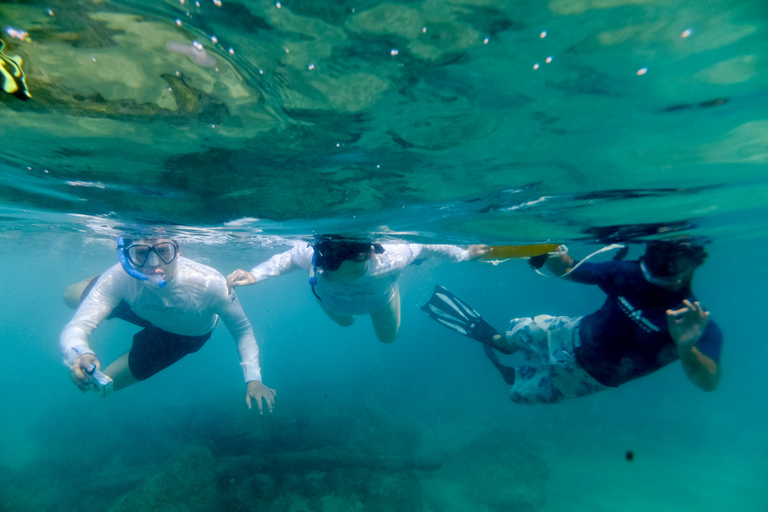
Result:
[550,372]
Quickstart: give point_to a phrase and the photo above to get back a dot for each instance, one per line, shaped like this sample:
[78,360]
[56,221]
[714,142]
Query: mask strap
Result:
[565,249]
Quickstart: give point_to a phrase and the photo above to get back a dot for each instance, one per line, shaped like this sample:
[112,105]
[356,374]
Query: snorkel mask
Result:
[126,264]
[665,263]
[663,281]
[331,252]
[329,255]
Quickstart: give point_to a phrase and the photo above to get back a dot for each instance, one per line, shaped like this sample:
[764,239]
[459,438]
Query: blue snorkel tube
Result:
[129,269]
[312,272]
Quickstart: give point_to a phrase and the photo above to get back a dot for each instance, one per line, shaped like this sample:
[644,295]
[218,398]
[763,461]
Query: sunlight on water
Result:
[242,128]
[163,111]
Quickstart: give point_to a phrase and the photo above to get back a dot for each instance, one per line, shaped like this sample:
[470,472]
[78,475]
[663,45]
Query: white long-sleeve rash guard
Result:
[190,304]
[371,292]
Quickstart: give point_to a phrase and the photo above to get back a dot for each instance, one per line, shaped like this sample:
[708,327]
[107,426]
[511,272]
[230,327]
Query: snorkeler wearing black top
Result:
[650,319]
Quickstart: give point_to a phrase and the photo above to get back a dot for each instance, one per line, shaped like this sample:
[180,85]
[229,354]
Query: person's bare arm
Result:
[478,251]
[231,312]
[686,325]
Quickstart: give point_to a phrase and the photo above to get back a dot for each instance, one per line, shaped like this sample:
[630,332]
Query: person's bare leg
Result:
[342,320]
[74,292]
[386,321]
[120,373]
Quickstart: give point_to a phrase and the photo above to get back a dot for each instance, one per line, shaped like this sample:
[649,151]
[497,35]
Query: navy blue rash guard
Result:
[627,337]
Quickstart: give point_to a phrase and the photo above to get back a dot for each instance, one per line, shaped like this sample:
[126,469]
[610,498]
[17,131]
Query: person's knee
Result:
[386,327]
[344,321]
[386,337]
[73,295]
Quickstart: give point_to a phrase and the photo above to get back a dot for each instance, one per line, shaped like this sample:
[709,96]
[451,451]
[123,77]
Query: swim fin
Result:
[454,313]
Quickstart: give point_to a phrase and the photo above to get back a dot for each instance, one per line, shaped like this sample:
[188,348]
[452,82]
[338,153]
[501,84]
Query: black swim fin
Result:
[454,313]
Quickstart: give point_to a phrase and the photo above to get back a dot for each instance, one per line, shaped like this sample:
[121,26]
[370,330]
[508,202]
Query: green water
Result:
[423,121]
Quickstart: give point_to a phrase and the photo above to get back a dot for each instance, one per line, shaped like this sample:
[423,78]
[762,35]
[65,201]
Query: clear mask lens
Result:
[138,254]
[658,280]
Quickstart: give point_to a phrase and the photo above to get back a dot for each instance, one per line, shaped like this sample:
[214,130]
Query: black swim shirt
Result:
[627,337]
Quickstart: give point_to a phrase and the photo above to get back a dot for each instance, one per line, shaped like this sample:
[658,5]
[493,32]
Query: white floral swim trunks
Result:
[550,372]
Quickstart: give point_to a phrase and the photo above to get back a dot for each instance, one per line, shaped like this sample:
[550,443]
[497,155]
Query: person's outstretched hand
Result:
[257,390]
[477,251]
[239,278]
[686,325]
[77,370]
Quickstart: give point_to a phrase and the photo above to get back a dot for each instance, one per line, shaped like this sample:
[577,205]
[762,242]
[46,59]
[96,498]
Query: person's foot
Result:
[500,344]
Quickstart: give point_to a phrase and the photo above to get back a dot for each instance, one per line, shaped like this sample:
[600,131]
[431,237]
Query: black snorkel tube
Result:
[129,269]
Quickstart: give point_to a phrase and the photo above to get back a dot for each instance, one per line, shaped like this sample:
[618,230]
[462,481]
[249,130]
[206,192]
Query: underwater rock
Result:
[185,483]
[327,460]
[392,492]
[497,471]
[254,494]
[191,101]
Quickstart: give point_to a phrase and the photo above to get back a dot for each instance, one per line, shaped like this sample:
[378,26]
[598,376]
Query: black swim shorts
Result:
[155,349]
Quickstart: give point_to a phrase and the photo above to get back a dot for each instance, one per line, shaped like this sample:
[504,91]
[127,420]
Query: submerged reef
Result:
[305,459]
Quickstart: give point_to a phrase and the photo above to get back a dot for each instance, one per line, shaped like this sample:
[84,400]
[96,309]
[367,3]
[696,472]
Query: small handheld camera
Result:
[100,383]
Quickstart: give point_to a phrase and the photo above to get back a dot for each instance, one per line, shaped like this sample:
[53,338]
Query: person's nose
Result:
[153,260]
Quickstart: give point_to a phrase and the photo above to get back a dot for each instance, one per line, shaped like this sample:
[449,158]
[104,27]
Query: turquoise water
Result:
[412,121]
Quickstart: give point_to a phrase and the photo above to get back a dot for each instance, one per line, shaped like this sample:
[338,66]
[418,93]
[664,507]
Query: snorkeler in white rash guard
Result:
[352,277]
[177,301]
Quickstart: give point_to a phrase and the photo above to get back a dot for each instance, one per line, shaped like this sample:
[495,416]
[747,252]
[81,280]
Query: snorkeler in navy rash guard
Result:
[650,319]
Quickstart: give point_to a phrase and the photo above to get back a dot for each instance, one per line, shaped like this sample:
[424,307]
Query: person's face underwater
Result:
[354,263]
[156,257]
[671,274]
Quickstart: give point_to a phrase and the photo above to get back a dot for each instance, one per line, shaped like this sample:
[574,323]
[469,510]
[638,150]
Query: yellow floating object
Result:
[505,252]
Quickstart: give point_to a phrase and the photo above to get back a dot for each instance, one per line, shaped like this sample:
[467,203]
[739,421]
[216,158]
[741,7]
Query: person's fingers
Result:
[676,312]
[79,374]
[261,407]
[248,400]
[80,380]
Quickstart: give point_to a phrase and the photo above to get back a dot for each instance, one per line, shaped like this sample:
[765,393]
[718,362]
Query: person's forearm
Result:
[242,332]
[445,252]
[702,371]
[275,266]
